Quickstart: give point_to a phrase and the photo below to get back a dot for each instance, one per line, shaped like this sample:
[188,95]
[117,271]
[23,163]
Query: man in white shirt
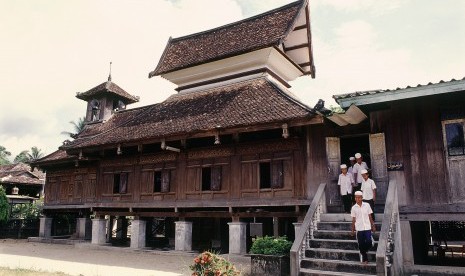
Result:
[345,182]
[350,171]
[364,225]
[369,190]
[358,167]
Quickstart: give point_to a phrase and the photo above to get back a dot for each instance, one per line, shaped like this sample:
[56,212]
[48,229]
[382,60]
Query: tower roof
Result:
[107,87]
[287,28]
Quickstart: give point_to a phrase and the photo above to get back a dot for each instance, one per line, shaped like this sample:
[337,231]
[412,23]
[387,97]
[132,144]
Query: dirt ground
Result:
[85,260]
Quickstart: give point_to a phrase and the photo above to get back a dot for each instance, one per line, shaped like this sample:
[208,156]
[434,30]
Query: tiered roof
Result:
[262,31]
[107,87]
[248,103]
[20,174]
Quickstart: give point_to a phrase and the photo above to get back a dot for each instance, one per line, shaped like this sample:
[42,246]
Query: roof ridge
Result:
[238,22]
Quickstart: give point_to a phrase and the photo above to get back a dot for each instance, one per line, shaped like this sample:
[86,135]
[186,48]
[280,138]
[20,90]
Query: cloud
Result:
[374,7]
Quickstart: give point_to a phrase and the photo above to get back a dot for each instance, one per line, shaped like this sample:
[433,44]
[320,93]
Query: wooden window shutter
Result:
[123,184]
[216,178]
[165,181]
[277,174]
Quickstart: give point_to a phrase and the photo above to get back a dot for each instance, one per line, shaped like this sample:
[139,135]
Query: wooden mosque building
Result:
[234,154]
[229,149]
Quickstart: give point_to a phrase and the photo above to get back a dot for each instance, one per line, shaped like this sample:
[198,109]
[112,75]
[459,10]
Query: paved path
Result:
[104,261]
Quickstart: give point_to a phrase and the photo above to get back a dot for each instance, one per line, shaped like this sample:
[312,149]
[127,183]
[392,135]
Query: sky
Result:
[51,49]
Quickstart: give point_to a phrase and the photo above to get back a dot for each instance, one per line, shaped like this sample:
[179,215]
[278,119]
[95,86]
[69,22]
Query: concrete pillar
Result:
[45,229]
[109,229]
[84,228]
[407,246]
[237,237]
[138,232]
[183,238]
[99,231]
[297,226]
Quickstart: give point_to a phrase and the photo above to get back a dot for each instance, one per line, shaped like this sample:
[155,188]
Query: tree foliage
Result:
[27,156]
[4,206]
[4,154]
[78,126]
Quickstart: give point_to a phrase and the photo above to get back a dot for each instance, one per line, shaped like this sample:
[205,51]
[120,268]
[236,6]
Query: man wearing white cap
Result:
[358,167]
[345,187]
[369,190]
[364,225]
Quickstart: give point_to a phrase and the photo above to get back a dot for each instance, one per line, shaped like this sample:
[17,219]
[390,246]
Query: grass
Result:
[26,272]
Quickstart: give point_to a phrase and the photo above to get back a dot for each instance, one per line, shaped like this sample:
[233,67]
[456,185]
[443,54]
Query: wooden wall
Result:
[238,165]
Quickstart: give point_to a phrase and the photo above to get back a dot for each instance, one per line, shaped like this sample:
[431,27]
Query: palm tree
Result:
[78,127]
[35,154]
[4,156]
[27,157]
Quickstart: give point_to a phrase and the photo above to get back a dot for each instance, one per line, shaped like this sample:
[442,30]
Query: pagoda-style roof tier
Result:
[286,28]
[106,88]
[58,156]
[242,104]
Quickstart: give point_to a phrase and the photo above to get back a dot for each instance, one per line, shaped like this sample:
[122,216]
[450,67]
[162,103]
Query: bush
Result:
[210,264]
[4,206]
[271,246]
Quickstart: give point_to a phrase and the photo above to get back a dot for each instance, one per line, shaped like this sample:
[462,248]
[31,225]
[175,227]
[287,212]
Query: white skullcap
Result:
[343,166]
[359,193]
[363,171]
[352,158]
[358,155]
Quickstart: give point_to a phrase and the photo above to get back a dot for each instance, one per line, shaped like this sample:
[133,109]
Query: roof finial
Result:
[109,75]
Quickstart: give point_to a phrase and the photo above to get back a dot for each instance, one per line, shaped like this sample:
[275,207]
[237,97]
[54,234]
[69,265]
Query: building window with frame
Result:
[454,136]
[271,174]
[161,181]
[120,183]
[211,178]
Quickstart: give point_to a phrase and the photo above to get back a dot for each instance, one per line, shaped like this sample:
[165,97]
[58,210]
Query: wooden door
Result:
[333,155]
[454,145]
[379,166]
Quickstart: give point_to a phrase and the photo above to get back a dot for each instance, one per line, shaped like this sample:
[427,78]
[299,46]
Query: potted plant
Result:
[270,256]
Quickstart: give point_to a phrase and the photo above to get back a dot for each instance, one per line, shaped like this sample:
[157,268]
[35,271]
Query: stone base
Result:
[264,265]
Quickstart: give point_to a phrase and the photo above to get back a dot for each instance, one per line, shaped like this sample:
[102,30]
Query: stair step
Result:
[337,234]
[341,226]
[340,217]
[337,244]
[339,266]
[337,254]
[316,272]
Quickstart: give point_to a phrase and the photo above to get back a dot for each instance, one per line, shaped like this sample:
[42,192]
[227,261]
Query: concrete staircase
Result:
[333,251]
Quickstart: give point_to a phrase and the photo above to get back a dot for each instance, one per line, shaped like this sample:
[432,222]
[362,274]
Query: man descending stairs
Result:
[334,251]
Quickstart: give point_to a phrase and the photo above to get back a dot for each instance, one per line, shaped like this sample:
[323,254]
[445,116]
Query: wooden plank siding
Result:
[235,176]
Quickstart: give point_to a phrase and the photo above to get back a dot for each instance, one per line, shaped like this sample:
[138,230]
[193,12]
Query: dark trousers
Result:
[372,205]
[364,243]
[347,201]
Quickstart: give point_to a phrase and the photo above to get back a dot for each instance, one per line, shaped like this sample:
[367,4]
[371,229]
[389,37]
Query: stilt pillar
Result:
[84,228]
[99,231]
[183,241]
[237,237]
[138,232]
[45,228]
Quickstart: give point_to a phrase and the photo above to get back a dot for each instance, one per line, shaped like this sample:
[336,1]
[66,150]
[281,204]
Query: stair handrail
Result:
[387,235]
[309,225]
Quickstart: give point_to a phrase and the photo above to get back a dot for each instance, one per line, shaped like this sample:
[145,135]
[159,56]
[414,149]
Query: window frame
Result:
[445,141]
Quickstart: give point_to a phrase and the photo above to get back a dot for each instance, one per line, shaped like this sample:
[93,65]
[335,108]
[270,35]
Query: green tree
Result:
[4,154]
[4,206]
[77,127]
[27,156]
[22,157]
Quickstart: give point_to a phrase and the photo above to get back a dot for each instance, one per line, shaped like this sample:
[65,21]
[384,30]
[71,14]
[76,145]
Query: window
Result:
[455,140]
[161,181]
[120,183]
[211,178]
[265,175]
[271,174]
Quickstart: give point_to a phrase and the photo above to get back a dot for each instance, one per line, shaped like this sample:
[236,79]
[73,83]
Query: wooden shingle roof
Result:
[265,30]
[104,88]
[247,103]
